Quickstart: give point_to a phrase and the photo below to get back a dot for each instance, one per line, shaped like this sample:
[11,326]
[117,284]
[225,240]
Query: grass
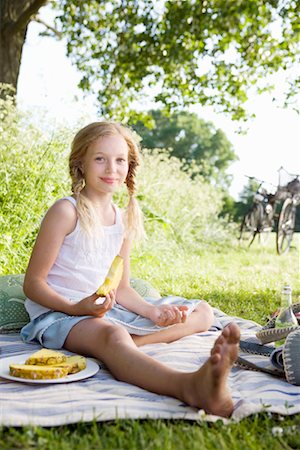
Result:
[244,282]
[258,432]
[241,281]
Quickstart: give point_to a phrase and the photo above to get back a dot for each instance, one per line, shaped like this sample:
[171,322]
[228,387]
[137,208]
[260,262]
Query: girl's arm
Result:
[59,221]
[130,299]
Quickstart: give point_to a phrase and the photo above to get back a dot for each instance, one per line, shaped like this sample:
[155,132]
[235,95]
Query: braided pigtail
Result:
[134,222]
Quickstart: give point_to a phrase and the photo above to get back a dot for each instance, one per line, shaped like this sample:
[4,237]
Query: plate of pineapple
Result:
[47,366]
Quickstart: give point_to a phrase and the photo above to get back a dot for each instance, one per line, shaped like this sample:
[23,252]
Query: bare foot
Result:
[208,389]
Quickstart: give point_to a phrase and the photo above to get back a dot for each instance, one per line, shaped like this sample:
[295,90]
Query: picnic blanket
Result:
[102,398]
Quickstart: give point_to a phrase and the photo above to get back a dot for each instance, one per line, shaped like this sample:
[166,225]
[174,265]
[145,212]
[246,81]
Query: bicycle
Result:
[259,218]
[290,193]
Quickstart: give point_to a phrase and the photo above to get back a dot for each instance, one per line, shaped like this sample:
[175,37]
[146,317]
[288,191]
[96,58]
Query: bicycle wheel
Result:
[286,226]
[249,227]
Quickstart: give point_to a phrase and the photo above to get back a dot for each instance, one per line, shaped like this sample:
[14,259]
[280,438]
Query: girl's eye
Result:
[99,158]
[121,160]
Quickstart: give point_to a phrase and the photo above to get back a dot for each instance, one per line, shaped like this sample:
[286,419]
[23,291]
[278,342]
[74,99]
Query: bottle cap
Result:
[287,288]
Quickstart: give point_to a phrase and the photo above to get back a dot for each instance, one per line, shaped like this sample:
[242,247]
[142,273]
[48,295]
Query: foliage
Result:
[201,147]
[246,196]
[232,209]
[191,52]
[237,209]
[177,208]
[33,174]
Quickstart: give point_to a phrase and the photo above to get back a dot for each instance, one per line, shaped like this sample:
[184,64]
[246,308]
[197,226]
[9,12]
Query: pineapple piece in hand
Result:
[113,277]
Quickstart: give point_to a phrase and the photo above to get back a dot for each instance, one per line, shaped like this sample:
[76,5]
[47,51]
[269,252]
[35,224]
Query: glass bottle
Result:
[286,317]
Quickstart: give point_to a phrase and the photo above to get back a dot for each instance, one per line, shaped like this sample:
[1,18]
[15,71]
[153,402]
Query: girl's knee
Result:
[206,314]
[115,333]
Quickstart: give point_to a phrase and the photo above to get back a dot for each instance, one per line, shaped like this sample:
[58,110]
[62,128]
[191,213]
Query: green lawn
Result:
[244,282]
[240,281]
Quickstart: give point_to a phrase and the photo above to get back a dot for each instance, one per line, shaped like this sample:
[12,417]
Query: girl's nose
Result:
[110,167]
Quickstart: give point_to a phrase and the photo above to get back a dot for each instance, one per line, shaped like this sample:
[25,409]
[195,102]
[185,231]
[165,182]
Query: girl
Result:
[77,242]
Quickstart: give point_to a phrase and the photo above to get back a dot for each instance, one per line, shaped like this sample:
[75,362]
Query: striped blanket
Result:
[102,398]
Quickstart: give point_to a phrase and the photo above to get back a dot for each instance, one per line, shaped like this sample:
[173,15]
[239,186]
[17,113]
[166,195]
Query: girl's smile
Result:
[108,180]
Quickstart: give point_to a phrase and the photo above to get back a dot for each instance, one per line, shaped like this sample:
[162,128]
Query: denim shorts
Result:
[52,328]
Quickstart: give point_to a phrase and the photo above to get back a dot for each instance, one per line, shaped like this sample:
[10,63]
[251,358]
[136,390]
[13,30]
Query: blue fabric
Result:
[276,359]
[52,328]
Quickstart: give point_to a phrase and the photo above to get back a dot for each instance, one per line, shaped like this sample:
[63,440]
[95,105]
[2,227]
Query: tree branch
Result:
[30,7]
[54,30]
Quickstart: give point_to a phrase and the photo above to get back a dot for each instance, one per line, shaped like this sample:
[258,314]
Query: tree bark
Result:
[15,16]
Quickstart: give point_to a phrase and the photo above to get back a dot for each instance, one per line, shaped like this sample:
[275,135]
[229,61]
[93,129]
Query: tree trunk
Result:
[15,16]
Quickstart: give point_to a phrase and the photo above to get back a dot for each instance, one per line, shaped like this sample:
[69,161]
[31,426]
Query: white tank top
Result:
[80,269]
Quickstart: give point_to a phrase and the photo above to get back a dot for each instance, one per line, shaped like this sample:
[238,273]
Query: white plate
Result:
[91,369]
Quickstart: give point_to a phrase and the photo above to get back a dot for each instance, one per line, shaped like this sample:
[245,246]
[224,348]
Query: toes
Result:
[231,332]
[220,340]
[226,330]
[215,358]
[216,350]
[236,332]
[226,343]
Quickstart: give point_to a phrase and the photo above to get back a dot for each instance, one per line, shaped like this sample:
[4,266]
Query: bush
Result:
[33,175]
[175,205]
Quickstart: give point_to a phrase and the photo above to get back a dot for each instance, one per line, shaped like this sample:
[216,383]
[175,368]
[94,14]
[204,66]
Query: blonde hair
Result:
[133,218]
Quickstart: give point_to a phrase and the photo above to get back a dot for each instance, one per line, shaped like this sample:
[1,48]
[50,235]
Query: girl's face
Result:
[105,164]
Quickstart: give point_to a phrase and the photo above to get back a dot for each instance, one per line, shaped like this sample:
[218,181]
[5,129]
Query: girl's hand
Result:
[89,306]
[165,315]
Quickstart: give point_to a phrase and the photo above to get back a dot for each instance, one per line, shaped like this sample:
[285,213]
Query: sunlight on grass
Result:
[239,281]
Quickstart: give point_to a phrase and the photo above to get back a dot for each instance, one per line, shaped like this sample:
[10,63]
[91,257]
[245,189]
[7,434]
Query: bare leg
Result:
[206,388]
[201,319]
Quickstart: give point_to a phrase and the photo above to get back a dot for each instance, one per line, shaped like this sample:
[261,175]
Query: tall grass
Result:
[32,175]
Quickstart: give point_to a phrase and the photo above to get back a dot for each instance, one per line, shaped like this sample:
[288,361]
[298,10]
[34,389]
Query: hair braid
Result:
[133,215]
[130,179]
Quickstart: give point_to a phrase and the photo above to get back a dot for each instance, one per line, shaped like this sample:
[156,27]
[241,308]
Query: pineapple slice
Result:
[113,277]
[74,364]
[35,372]
[48,364]
[46,357]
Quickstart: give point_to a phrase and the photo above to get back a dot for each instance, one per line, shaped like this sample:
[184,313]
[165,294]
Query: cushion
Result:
[144,288]
[13,315]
